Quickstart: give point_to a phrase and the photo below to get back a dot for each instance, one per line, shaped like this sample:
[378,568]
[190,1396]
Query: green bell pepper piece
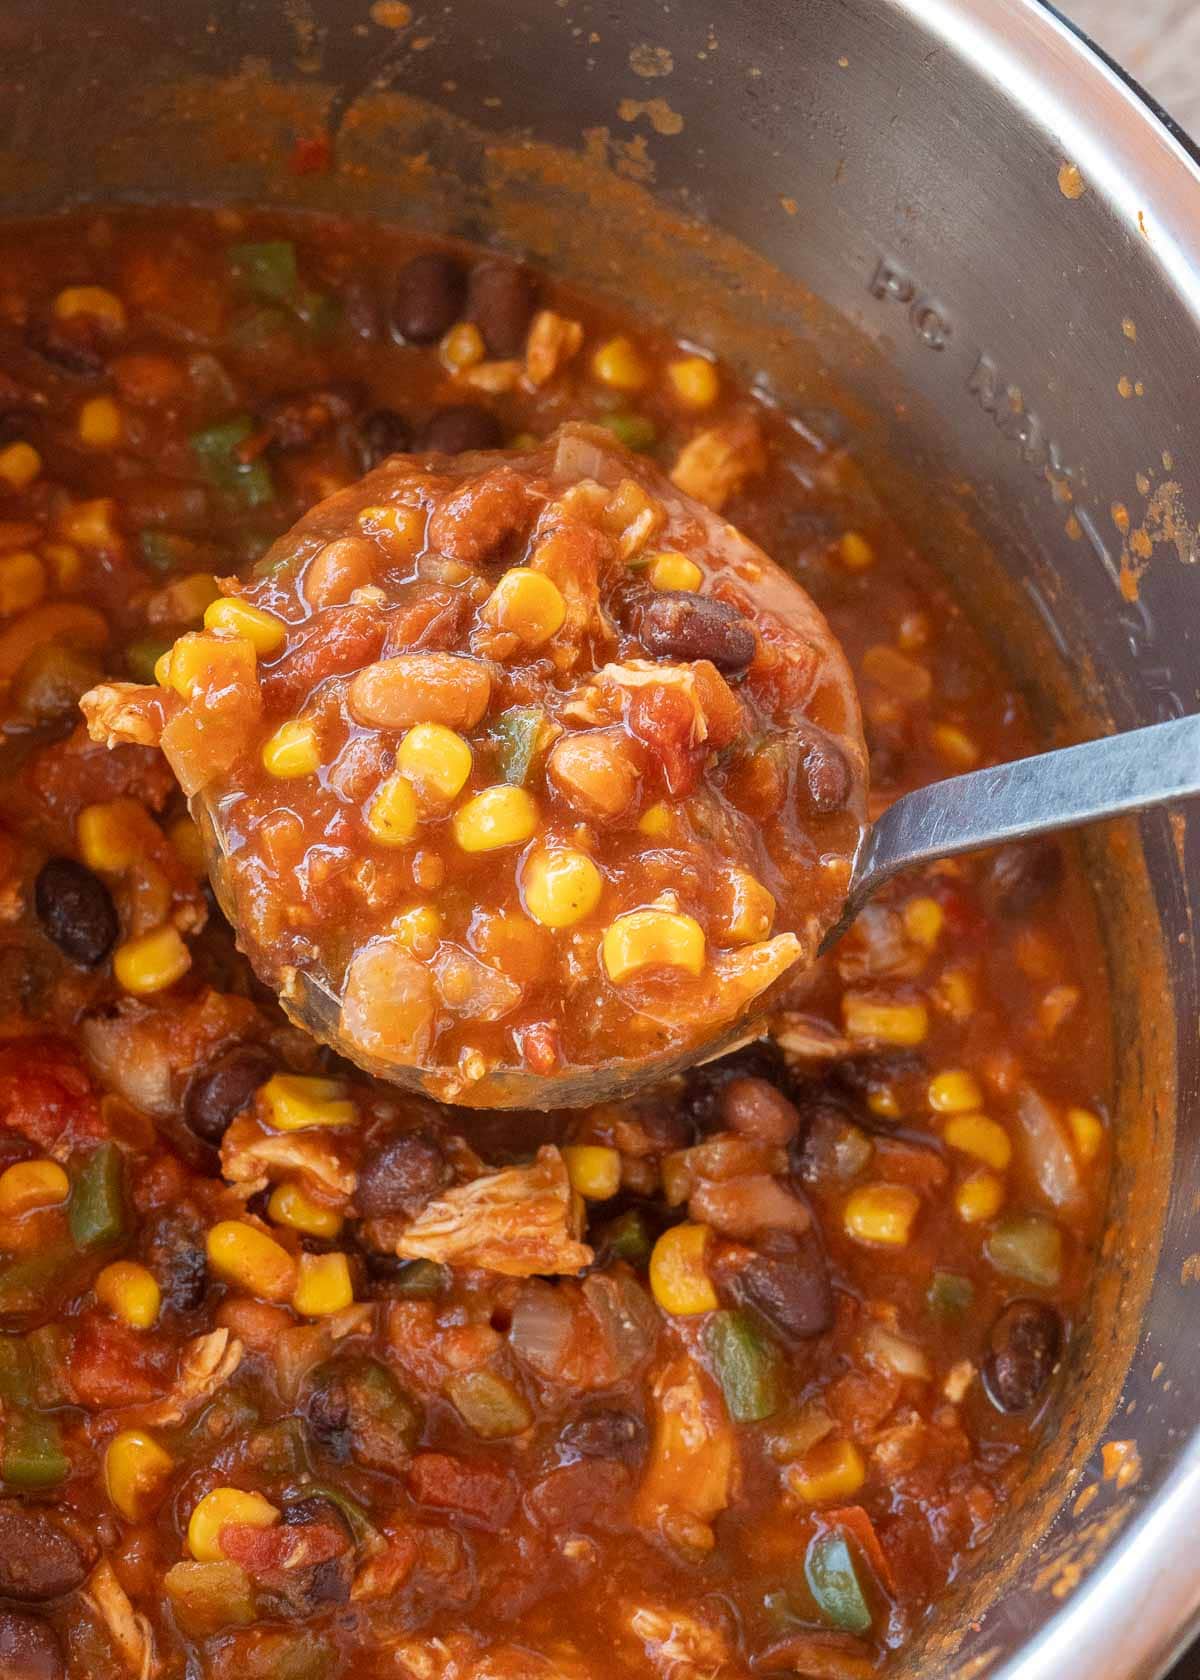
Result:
[142,655]
[1028,1247]
[419,1280]
[627,1238]
[746,1363]
[949,1295]
[361,1526]
[98,1215]
[30,1281]
[488,1404]
[216,449]
[33,1455]
[834,1579]
[635,431]
[267,267]
[16,1372]
[519,729]
[278,1449]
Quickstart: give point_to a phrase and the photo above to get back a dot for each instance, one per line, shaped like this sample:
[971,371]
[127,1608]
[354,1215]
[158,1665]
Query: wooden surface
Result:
[1158,41]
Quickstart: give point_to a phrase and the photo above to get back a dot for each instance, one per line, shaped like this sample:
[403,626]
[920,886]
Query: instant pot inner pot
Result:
[914,247]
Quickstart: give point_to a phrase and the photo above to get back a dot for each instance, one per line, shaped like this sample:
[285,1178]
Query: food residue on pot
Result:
[1071,183]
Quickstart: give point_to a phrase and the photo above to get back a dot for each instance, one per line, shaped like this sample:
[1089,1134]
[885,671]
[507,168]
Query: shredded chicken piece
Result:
[713,465]
[806,1038]
[552,340]
[205,1365]
[519,1221]
[692,1469]
[131,1632]
[958,1380]
[252,1158]
[679,1646]
[118,712]
[645,673]
[518,1662]
[452,1658]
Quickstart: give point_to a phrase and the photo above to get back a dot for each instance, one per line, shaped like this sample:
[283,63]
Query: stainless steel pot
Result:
[994,240]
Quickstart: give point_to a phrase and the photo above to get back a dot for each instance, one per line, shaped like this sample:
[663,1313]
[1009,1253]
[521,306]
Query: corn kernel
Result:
[679,1279]
[560,887]
[292,750]
[198,661]
[954,1092]
[881,1213]
[95,301]
[1086,1129]
[230,616]
[618,364]
[830,1470]
[401,529]
[32,1184]
[152,961]
[65,563]
[291,1206]
[418,930]
[130,1292]
[393,816]
[292,1103]
[217,1510]
[22,582]
[436,760]
[20,464]
[880,1021]
[527,603]
[674,571]
[924,919]
[652,939]
[462,347]
[100,424]
[954,994]
[499,816]
[979,1197]
[324,1285]
[91,524]
[136,1472]
[594,1170]
[884,1102]
[251,1260]
[162,668]
[656,821]
[954,746]
[189,847]
[695,381]
[751,913]
[856,552]
[975,1134]
[112,836]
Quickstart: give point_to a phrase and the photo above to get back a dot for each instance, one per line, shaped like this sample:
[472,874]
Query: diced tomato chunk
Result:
[47,1097]
[474,1490]
[112,1365]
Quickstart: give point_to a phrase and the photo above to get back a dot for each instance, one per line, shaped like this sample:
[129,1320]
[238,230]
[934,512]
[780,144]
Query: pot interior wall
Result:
[728,180]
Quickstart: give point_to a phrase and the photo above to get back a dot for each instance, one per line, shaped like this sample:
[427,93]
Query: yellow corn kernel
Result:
[830,1470]
[394,815]
[91,524]
[954,746]
[618,364]
[20,464]
[136,1472]
[291,1206]
[856,552]
[751,910]
[652,939]
[100,424]
[112,836]
[881,1021]
[198,661]
[65,563]
[499,816]
[96,301]
[1086,1129]
[979,1197]
[32,1184]
[251,1260]
[560,887]
[218,1509]
[152,961]
[292,750]
[695,381]
[884,1102]
[189,847]
[324,1285]
[418,930]
[400,529]
[594,1170]
[954,1092]
[22,582]
[975,1134]
[657,821]
[923,921]
[130,1292]
[230,616]
[291,1102]
[881,1213]
[679,1279]
[669,570]
[954,994]
[436,760]
[527,603]
[462,347]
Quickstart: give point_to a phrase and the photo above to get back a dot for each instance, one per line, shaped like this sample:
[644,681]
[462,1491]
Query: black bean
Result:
[75,346]
[309,1589]
[29,1649]
[429,297]
[1021,875]
[314,1509]
[401,1176]
[39,1560]
[454,430]
[1023,1348]
[76,911]
[679,625]
[903,1072]
[300,421]
[605,1433]
[220,1091]
[789,1285]
[381,433]
[823,780]
[172,1246]
[501,300]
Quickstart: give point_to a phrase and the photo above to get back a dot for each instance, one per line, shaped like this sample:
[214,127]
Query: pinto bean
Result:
[338,569]
[381,433]
[596,771]
[220,1091]
[39,1559]
[823,780]
[605,1433]
[677,624]
[756,1109]
[413,688]
[401,1177]
[500,300]
[1023,1348]
[704,1092]
[29,1649]
[76,911]
[459,428]
[429,297]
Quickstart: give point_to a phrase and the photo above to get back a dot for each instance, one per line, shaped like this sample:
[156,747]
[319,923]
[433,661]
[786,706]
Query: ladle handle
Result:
[1062,789]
